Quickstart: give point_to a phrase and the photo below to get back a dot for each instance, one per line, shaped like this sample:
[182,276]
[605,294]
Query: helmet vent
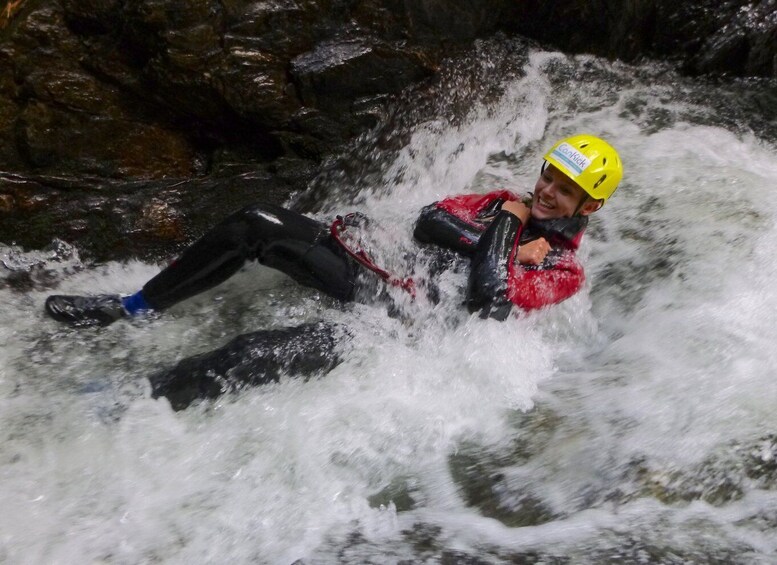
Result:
[600,181]
[604,160]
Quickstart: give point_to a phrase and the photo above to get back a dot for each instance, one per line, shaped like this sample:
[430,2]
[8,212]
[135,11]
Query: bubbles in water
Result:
[610,422]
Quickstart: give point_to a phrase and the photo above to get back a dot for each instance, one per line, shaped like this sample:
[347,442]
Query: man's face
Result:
[557,196]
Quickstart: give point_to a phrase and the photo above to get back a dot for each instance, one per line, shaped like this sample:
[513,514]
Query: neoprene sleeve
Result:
[439,227]
[488,278]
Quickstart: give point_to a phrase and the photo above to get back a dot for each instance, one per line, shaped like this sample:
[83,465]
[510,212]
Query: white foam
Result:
[668,365]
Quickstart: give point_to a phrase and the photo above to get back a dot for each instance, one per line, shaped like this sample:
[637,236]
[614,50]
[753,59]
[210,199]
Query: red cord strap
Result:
[338,227]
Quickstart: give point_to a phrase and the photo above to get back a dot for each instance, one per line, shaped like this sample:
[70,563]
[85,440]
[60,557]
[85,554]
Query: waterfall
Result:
[633,423]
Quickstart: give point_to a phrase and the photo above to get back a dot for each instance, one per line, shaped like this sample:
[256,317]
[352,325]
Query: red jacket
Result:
[474,225]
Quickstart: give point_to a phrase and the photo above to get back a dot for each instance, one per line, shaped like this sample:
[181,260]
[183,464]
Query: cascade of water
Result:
[628,419]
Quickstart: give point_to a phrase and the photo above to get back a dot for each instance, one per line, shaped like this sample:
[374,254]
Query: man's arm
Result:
[458,222]
[498,280]
[438,226]
[487,290]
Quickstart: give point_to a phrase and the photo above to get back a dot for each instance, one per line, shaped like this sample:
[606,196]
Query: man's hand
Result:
[519,209]
[534,252]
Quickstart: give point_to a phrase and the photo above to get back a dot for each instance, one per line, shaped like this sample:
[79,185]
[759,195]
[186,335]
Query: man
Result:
[522,253]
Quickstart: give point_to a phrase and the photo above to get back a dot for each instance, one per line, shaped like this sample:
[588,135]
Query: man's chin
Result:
[541,215]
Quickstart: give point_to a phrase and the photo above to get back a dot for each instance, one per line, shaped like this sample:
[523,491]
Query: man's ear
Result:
[590,207]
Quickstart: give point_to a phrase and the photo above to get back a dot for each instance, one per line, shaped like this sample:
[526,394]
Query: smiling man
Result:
[523,251]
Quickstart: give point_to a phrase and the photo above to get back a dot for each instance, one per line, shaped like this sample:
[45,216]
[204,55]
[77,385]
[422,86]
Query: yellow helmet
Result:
[589,161]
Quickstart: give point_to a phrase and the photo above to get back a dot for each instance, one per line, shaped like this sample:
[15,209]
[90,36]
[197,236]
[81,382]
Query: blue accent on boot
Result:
[135,303]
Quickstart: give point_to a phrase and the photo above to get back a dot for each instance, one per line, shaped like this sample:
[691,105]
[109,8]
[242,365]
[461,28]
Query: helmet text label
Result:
[571,157]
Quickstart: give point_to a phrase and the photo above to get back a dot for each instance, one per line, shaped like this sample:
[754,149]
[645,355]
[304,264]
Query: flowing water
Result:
[633,423]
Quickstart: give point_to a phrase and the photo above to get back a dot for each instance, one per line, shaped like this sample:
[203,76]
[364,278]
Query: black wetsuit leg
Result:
[252,359]
[276,237]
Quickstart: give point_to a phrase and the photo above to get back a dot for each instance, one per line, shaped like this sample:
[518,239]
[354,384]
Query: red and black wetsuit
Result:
[303,248]
[276,237]
[472,225]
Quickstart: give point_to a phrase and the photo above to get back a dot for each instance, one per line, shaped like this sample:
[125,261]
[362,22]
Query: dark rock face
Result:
[117,219]
[737,37]
[178,88]
[117,98]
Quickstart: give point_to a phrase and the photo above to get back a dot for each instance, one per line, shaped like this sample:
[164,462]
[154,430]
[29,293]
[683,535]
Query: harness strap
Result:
[360,256]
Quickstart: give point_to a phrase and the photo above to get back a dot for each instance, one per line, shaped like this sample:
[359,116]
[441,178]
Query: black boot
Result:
[84,311]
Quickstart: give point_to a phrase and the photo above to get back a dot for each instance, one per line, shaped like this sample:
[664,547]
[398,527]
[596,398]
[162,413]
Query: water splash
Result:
[618,422]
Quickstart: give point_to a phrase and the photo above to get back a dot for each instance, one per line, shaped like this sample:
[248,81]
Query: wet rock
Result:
[45,206]
[535,558]
[114,220]
[336,72]
[6,202]
[465,19]
[477,76]
[482,479]
[358,550]
[21,281]
[93,87]
[254,83]
[282,27]
[162,221]
[162,89]
[389,19]
[9,154]
[101,145]
[630,550]
[534,430]
[424,538]
[743,43]
[761,462]
[715,486]
[292,169]
[70,120]
[170,88]
[401,492]
[764,521]
[221,64]
[490,479]
[428,544]
[460,558]
[453,557]
[718,480]
[92,17]
[23,272]
[734,36]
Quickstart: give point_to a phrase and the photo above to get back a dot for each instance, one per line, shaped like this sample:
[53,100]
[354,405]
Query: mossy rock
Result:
[482,482]
[401,491]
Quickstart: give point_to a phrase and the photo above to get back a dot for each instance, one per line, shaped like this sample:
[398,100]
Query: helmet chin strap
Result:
[583,201]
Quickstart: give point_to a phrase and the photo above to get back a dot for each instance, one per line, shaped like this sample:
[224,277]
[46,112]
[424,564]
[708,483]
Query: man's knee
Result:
[268,222]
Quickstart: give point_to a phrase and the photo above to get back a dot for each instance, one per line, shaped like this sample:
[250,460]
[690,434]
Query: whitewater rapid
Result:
[664,362]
